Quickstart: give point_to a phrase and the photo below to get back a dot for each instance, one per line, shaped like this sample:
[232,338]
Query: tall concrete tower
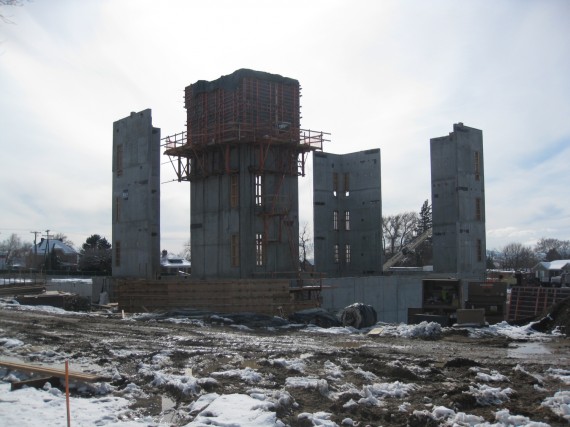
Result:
[347,213]
[243,153]
[136,197]
[458,203]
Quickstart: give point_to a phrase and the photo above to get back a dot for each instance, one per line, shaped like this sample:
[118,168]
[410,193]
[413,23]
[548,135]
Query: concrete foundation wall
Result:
[81,287]
[391,296]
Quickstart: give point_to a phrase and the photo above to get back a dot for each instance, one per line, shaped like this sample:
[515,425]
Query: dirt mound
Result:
[556,317]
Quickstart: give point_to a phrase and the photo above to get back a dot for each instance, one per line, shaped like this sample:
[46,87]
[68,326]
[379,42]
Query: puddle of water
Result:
[527,349]
[250,364]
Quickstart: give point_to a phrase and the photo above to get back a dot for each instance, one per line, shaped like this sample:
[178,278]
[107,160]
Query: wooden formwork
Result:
[272,297]
[527,301]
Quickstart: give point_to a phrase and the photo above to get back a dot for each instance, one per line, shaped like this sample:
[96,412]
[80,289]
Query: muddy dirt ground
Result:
[442,370]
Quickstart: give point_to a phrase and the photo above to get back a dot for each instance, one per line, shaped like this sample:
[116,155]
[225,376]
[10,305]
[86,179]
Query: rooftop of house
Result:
[46,245]
[559,264]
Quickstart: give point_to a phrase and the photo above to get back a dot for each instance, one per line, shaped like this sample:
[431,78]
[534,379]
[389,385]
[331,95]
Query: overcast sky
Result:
[376,74]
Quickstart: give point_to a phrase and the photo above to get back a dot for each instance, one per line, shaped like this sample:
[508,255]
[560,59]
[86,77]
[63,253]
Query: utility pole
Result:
[47,251]
[35,233]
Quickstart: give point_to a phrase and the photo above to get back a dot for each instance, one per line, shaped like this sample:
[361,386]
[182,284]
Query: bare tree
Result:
[64,239]
[551,249]
[397,231]
[187,251]
[516,256]
[14,249]
[305,245]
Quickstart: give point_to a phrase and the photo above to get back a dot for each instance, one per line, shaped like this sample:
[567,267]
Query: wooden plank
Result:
[55,372]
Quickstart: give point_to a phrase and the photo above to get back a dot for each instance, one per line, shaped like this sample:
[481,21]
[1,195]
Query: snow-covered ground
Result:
[103,404]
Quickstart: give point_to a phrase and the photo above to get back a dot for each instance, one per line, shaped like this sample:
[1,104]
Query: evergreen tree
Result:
[96,254]
[424,220]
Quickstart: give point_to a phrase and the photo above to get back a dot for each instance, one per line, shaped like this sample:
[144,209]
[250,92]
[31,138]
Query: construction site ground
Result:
[339,369]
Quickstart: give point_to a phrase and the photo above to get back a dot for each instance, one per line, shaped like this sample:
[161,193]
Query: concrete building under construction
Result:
[458,202]
[347,213]
[243,152]
[136,197]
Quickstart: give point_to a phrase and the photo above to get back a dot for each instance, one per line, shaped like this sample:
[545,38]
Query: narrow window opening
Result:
[234,191]
[117,253]
[259,249]
[347,220]
[477,166]
[347,253]
[346,184]
[119,160]
[235,250]
[335,220]
[336,254]
[479,251]
[258,190]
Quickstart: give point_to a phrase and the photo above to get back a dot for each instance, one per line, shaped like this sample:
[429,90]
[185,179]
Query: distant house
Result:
[171,265]
[545,271]
[54,251]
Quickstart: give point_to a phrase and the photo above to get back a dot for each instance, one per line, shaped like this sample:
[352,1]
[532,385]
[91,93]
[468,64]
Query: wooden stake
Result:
[67,392]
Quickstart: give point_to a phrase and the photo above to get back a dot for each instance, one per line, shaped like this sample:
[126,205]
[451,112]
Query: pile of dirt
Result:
[556,317]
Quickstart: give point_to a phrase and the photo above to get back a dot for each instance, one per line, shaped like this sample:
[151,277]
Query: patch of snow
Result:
[234,410]
[10,343]
[43,309]
[185,383]
[30,407]
[514,332]
[486,395]
[448,417]
[421,330]
[219,319]
[248,375]
[367,375]
[202,402]
[318,419]
[297,365]
[333,372]
[335,330]
[305,382]
[351,404]
[494,376]
[241,328]
[559,404]
[418,370]
[372,395]
[561,374]
[505,417]
[537,377]
[72,280]
[185,321]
